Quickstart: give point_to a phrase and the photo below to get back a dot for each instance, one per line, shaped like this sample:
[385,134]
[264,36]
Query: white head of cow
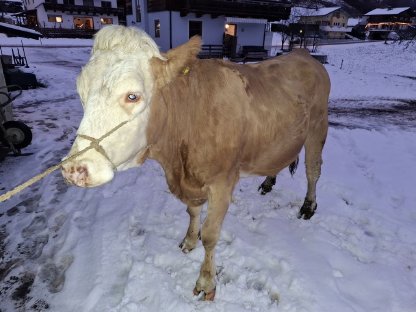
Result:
[115,86]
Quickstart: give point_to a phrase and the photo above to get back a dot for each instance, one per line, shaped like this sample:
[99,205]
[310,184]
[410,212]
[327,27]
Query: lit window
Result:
[55,18]
[106,20]
[157,28]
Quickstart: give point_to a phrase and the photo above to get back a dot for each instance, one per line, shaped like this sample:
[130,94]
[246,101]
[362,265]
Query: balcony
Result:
[265,9]
[335,29]
[93,10]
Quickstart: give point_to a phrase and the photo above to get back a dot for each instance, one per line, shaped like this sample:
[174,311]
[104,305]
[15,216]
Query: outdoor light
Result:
[227,26]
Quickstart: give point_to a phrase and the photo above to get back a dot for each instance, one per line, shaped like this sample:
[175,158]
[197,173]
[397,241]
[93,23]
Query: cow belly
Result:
[270,160]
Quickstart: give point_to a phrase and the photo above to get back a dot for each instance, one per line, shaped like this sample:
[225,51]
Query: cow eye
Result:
[133,98]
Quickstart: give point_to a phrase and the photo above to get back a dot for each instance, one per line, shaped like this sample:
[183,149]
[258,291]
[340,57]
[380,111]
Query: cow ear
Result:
[178,61]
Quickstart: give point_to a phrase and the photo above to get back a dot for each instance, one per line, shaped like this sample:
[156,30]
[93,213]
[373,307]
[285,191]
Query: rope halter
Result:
[95,143]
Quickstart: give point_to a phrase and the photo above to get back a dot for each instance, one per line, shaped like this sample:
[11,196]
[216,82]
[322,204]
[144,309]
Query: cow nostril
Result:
[76,174]
[82,170]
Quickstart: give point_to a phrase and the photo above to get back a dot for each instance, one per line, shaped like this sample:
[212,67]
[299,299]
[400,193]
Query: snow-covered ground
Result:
[115,247]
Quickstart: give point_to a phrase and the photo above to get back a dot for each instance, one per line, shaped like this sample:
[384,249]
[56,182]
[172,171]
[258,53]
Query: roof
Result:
[387,11]
[18,28]
[353,22]
[299,11]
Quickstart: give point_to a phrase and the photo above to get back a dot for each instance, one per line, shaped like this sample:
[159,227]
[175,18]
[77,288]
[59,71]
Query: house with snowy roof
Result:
[225,26]
[71,18]
[382,21]
[332,21]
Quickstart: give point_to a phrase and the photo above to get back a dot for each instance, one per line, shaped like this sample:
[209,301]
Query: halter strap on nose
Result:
[95,143]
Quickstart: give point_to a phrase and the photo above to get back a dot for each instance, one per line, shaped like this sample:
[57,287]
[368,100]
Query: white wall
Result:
[212,28]
[164,39]
[249,34]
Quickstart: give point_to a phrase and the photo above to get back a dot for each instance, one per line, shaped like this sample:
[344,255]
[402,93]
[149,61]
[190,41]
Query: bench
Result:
[211,51]
[254,53]
[321,58]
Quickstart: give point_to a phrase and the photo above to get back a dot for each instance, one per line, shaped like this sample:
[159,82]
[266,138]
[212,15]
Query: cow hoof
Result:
[267,185]
[210,296]
[186,246]
[264,188]
[308,210]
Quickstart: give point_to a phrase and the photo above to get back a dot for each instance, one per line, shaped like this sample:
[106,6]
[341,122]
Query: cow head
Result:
[116,87]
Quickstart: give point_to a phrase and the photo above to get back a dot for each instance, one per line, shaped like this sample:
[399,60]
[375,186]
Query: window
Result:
[106,20]
[83,23]
[88,2]
[128,7]
[230,29]
[55,18]
[69,2]
[106,4]
[157,28]
[195,28]
[138,12]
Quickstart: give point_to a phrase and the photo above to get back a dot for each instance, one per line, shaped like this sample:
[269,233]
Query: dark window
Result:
[129,7]
[88,3]
[195,28]
[106,4]
[157,28]
[70,2]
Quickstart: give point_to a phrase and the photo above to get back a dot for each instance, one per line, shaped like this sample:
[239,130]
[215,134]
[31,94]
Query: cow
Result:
[207,122]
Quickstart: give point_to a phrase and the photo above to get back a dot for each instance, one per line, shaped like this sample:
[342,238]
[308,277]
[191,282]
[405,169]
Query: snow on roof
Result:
[387,11]
[20,28]
[353,22]
[299,11]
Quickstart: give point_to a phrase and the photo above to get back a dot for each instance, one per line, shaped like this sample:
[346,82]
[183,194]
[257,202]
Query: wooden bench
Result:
[254,53]
[211,51]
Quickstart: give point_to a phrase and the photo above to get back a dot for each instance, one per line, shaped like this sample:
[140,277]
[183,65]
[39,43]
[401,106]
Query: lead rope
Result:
[95,144]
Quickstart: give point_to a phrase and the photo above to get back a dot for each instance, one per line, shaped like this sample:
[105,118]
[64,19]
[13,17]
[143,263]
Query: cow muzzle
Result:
[76,174]
[90,167]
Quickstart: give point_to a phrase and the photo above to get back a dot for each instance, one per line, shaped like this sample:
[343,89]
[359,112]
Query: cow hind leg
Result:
[267,185]
[313,161]
[270,181]
[191,237]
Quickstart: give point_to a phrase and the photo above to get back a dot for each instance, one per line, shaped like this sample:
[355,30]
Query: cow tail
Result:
[293,166]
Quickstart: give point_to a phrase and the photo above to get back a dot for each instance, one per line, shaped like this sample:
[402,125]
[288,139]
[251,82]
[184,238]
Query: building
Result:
[332,21]
[232,24]
[381,22]
[71,18]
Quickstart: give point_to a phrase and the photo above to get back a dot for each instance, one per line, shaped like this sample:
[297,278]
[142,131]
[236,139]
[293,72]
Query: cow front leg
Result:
[191,237]
[218,200]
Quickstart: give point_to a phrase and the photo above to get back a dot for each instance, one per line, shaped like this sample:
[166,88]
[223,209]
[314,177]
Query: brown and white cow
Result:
[207,122]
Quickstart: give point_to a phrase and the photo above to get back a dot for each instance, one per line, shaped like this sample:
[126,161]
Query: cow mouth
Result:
[87,173]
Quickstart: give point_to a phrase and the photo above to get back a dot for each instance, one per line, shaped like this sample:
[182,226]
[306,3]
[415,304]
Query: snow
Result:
[20,28]
[301,11]
[115,247]
[386,11]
